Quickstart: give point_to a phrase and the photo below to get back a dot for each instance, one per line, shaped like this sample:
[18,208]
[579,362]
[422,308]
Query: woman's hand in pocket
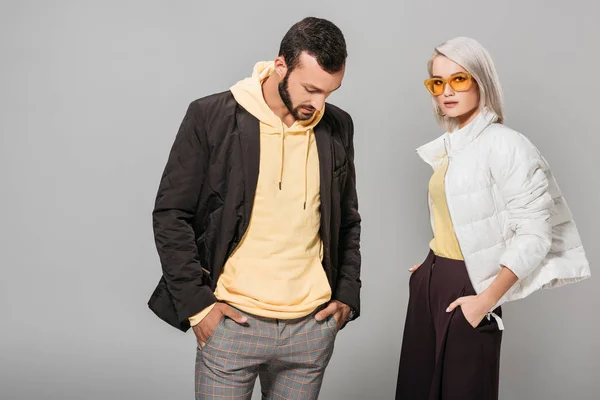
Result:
[474,308]
[414,268]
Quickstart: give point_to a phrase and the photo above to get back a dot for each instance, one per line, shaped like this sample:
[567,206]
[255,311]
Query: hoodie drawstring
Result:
[306,167]
[282,149]
[307,135]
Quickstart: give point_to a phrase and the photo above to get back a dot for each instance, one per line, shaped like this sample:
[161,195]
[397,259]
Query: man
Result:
[257,226]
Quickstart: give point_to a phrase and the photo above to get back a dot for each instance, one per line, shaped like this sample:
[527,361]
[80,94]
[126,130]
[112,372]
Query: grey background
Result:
[92,94]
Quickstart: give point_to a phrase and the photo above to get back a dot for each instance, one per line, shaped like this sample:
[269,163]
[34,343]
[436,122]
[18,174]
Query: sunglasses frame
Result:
[449,81]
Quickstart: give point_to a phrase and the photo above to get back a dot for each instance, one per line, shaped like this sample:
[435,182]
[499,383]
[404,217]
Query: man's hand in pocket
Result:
[205,328]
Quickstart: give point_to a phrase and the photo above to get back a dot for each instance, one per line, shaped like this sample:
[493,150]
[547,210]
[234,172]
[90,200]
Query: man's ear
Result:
[281,67]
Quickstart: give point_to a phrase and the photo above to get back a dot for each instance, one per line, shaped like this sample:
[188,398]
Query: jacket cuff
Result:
[197,318]
[352,299]
[202,298]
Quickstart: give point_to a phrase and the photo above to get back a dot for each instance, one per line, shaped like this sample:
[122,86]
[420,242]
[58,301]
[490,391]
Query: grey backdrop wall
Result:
[92,94]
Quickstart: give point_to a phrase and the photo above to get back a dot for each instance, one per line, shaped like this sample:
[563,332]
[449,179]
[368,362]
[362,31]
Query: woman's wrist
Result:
[489,299]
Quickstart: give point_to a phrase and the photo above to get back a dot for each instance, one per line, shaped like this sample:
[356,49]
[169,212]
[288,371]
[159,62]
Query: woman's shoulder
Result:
[505,139]
[499,131]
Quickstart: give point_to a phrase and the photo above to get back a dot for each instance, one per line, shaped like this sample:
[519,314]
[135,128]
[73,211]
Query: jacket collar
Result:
[452,143]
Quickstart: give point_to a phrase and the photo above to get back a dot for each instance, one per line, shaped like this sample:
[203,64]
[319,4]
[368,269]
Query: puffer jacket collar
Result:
[437,149]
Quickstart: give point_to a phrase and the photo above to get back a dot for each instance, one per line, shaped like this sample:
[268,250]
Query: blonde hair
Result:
[473,57]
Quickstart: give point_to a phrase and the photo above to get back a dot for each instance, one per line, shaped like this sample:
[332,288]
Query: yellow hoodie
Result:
[276,271]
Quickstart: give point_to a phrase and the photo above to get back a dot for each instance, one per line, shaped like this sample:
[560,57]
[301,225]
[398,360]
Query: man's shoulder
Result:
[335,113]
[214,101]
[339,121]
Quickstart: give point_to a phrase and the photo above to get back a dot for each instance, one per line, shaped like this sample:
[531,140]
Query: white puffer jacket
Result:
[507,209]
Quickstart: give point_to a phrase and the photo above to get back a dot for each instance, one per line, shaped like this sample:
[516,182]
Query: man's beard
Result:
[287,100]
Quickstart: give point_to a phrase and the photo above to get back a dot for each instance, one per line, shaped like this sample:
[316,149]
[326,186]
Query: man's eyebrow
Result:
[313,87]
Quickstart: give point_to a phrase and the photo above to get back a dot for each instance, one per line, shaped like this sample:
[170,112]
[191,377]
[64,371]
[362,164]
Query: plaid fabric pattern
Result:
[288,356]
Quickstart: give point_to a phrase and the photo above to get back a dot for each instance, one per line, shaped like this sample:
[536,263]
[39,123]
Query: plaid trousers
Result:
[288,356]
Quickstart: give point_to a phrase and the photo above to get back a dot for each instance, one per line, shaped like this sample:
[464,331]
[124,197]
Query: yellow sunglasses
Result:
[460,82]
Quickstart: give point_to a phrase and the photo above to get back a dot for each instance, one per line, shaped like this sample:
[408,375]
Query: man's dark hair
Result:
[320,38]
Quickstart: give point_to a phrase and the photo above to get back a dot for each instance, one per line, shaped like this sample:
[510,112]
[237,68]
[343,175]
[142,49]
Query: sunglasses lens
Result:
[461,82]
[435,86]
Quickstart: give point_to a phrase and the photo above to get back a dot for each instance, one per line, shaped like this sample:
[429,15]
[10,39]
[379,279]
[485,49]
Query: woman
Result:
[502,230]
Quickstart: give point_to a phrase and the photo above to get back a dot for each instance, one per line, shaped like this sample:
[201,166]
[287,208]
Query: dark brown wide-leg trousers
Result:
[443,357]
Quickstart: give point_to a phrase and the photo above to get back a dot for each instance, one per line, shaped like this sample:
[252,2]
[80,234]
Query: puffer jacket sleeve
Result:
[519,172]
[174,210]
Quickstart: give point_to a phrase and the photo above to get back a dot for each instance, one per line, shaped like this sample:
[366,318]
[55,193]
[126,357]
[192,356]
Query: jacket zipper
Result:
[447,202]
[430,220]
[431,223]
[488,314]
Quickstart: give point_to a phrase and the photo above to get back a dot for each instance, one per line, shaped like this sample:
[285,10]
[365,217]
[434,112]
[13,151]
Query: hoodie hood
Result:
[248,93]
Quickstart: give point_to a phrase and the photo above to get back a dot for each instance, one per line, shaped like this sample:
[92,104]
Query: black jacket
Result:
[205,199]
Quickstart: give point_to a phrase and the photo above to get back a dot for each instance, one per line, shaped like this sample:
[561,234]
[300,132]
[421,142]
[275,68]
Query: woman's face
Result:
[458,98]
